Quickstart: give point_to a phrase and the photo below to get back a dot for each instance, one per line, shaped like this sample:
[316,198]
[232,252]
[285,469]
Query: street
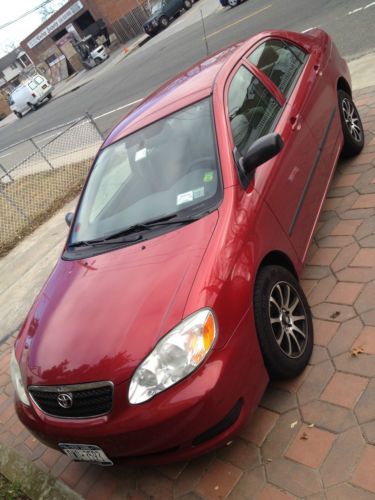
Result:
[109,94]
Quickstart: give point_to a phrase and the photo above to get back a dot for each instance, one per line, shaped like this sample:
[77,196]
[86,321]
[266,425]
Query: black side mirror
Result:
[69,218]
[262,150]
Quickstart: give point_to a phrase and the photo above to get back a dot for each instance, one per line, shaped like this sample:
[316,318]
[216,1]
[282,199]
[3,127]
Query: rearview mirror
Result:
[262,150]
[69,218]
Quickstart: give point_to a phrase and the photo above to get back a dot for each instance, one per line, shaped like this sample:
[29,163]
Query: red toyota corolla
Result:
[177,295]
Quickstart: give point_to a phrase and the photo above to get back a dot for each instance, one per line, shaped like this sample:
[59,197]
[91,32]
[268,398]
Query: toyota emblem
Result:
[65,400]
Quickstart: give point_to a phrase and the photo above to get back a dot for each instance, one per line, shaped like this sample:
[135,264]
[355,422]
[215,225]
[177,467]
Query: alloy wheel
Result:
[288,319]
[351,118]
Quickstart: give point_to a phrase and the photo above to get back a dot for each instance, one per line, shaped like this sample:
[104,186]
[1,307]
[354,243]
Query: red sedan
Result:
[177,296]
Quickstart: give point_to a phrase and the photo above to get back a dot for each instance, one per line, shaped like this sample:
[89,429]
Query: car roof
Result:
[189,86]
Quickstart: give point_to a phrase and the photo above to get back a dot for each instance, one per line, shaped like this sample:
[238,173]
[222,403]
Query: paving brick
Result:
[369,432]
[345,293]
[308,285]
[50,457]
[343,457]
[240,453]
[311,446]
[249,485]
[344,389]
[322,290]
[364,258]
[73,473]
[328,416]
[343,340]
[363,365]
[259,426]
[173,470]
[365,229]
[356,274]
[219,480]
[364,476]
[345,180]
[272,493]
[323,256]
[365,408]
[368,317]
[292,384]
[348,492]
[316,382]
[293,477]
[366,300]
[104,487]
[367,339]
[278,400]
[190,476]
[87,480]
[344,257]
[336,241]
[365,201]
[284,431]
[337,312]
[318,355]
[324,331]
[155,485]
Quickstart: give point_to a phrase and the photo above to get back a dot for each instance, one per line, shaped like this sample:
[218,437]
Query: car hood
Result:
[97,318]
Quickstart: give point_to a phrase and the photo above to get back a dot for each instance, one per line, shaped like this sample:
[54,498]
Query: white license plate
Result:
[85,453]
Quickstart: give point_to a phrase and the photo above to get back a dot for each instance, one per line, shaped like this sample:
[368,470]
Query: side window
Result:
[252,109]
[38,80]
[32,85]
[280,61]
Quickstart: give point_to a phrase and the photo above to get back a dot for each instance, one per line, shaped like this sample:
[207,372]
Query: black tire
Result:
[285,351]
[354,137]
[163,22]
[232,3]
[19,115]
[187,4]
[49,97]
[97,61]
[33,107]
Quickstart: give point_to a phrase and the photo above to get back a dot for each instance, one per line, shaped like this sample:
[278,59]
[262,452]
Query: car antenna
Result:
[204,33]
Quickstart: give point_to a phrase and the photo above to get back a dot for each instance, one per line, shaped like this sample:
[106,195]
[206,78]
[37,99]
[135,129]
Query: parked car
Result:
[162,12]
[176,296]
[29,95]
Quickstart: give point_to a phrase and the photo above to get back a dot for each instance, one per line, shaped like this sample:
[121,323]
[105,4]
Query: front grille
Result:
[81,401]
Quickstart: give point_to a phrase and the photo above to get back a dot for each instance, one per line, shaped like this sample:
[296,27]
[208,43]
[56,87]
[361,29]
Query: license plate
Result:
[86,453]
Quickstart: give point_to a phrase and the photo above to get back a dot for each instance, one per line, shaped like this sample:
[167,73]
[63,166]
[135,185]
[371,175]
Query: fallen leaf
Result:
[216,488]
[335,314]
[293,424]
[310,425]
[304,436]
[356,350]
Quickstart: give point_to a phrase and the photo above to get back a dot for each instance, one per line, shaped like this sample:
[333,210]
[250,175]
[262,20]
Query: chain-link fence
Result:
[52,172]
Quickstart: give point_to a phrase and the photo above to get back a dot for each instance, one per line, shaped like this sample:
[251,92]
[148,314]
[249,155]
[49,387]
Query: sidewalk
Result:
[279,455]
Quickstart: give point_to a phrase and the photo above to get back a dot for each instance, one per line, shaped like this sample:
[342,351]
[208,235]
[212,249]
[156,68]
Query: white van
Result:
[29,95]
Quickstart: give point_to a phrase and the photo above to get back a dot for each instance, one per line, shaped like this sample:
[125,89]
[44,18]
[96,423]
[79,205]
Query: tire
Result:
[187,4]
[352,128]
[18,114]
[97,61]
[163,22]
[49,97]
[285,350]
[33,107]
[232,3]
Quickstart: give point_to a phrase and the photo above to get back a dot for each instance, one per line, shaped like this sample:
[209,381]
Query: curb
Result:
[34,482]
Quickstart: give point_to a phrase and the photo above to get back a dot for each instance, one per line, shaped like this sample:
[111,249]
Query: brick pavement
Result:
[312,437]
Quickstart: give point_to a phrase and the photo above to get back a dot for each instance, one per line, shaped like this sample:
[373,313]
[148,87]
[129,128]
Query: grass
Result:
[10,491]
[32,199]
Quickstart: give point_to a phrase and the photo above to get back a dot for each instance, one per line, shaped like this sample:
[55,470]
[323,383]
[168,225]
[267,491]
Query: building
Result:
[12,67]
[52,44]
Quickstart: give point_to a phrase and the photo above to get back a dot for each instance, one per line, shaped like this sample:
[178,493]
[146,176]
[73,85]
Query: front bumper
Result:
[191,418]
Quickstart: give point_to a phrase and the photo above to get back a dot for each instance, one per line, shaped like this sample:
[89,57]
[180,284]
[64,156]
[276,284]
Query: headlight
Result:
[15,373]
[177,354]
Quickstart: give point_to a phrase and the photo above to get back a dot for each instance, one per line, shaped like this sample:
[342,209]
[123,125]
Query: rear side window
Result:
[38,80]
[252,109]
[33,85]
[280,61]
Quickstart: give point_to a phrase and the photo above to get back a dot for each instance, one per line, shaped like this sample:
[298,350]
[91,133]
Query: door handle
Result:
[296,122]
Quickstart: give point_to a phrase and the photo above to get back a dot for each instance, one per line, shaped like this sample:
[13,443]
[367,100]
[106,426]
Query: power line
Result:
[43,4]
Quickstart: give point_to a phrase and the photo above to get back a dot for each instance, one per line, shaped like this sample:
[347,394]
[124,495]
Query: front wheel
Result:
[232,3]
[352,128]
[33,107]
[18,114]
[163,22]
[187,4]
[283,322]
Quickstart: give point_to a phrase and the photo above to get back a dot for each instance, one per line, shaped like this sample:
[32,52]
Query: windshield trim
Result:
[164,229]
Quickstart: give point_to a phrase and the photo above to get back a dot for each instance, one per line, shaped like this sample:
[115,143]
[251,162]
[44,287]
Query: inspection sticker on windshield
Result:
[139,155]
[208,176]
[190,196]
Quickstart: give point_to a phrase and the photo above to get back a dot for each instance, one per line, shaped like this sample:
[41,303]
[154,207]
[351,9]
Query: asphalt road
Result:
[350,23]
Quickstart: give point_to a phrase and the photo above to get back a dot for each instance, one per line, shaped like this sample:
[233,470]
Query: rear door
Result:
[308,113]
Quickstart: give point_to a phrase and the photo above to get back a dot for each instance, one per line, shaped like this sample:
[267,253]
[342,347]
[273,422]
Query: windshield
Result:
[167,168]
[155,7]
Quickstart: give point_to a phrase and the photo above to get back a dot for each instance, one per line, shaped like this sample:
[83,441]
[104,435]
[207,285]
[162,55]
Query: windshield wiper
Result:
[119,236]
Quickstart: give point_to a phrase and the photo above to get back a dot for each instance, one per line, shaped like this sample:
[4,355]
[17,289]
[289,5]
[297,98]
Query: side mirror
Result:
[69,218]
[262,150]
